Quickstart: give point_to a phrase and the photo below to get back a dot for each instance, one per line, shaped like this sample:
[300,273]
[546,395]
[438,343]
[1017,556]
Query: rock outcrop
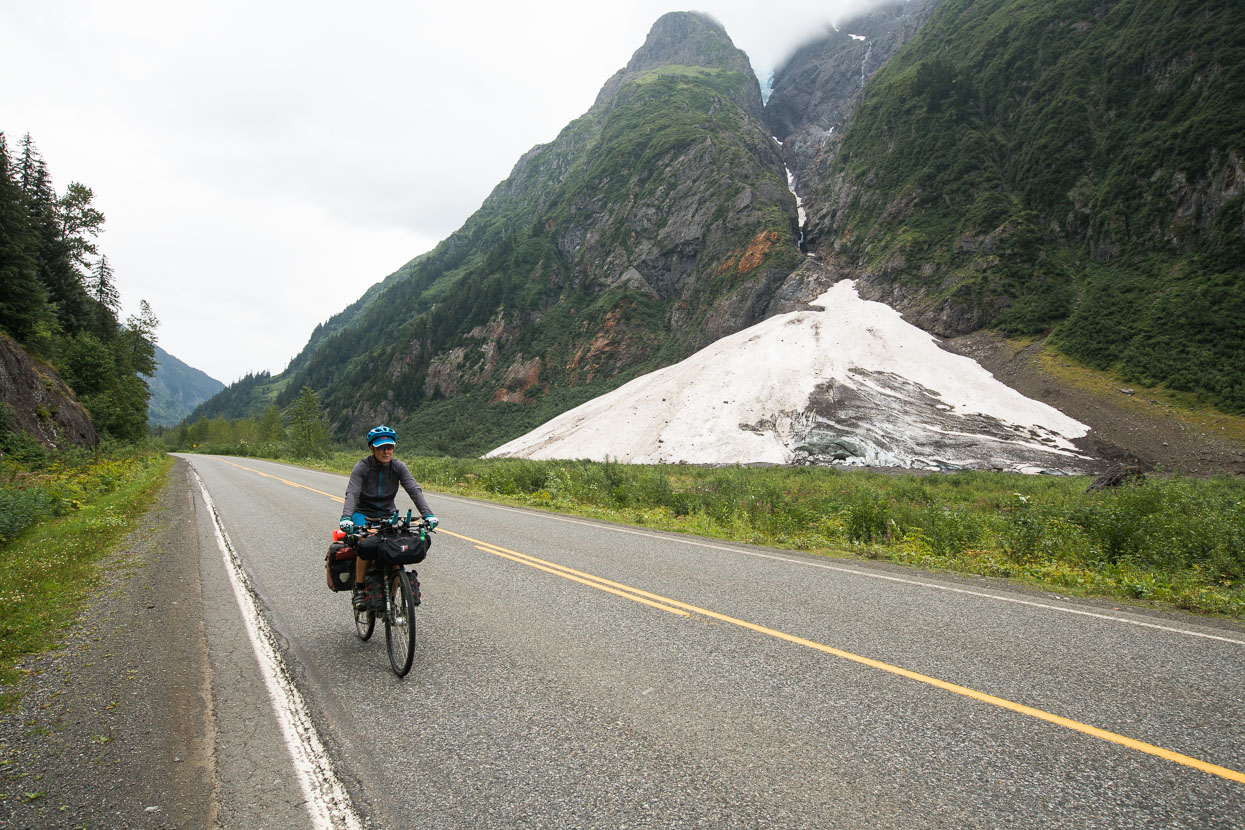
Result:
[816,90]
[38,401]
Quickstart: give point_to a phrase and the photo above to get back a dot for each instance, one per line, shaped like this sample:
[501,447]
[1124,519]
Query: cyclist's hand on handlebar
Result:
[346,526]
[432,521]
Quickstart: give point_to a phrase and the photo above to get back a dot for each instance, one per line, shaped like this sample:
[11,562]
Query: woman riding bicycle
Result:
[371,492]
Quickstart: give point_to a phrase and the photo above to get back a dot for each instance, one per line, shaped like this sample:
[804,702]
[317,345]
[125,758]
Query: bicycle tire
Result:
[364,622]
[400,626]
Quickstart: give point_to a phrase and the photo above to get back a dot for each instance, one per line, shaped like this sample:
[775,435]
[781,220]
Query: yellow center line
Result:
[983,697]
[589,583]
[677,607]
[286,481]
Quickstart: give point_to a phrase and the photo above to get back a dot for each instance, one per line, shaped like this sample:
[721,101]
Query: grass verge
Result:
[1163,540]
[47,570]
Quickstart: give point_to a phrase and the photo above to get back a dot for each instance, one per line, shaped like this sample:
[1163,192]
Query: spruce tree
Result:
[103,291]
[23,301]
[309,431]
[54,263]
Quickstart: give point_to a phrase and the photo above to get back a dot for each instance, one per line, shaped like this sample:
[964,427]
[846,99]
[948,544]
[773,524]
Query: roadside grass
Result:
[84,508]
[1166,540]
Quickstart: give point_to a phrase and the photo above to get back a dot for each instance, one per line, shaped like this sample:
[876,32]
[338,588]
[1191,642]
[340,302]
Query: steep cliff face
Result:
[1044,167]
[816,90]
[38,401]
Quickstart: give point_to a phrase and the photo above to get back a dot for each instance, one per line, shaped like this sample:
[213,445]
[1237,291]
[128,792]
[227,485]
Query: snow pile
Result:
[851,383]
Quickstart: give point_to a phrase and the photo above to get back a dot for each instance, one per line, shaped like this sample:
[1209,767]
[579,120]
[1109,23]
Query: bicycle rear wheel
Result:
[400,625]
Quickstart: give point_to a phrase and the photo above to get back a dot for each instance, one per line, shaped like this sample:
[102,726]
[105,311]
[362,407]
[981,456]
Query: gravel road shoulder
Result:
[115,729]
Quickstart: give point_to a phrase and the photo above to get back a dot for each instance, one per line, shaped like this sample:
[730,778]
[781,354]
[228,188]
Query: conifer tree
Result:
[23,302]
[80,223]
[54,264]
[103,291]
[309,431]
[271,430]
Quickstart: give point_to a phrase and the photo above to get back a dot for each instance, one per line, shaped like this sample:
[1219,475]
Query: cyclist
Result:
[370,493]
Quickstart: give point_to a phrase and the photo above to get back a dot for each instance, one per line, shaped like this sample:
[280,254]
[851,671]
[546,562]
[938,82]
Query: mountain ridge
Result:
[1066,167]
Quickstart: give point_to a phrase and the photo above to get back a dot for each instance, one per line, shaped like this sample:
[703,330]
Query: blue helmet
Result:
[378,436]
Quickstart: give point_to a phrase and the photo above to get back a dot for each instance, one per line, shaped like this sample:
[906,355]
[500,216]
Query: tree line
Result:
[307,435]
[59,298]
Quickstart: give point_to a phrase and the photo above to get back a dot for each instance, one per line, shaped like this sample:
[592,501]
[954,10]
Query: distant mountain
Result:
[176,389]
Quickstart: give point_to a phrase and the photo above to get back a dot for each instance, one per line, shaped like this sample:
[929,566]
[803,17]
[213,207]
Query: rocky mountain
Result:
[176,389]
[1062,169]
[651,226]
[815,92]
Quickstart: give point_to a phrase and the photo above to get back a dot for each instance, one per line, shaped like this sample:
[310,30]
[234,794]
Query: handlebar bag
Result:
[339,567]
[403,549]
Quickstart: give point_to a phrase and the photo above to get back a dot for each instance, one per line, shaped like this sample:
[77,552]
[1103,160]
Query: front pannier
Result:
[339,567]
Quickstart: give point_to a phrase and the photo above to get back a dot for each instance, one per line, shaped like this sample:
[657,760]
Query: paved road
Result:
[712,685]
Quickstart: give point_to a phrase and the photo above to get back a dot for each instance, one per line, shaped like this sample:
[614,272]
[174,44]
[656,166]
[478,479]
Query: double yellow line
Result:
[601,584]
[683,609]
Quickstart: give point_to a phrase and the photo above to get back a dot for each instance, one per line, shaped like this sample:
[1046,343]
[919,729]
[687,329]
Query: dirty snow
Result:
[846,382]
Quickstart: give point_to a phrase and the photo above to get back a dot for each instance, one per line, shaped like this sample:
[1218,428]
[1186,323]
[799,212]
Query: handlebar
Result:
[394,522]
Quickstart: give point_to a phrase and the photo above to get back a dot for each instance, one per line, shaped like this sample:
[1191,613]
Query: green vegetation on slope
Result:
[58,294]
[61,517]
[1066,164]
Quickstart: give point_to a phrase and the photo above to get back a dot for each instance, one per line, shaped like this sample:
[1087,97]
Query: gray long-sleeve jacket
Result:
[373,488]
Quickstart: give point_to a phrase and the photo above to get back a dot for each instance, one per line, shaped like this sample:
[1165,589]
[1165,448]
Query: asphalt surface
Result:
[543,702]
[740,696]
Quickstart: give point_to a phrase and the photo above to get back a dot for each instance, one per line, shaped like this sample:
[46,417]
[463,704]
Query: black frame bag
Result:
[395,548]
[404,549]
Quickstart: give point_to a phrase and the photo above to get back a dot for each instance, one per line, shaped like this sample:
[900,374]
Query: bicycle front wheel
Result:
[400,624]
[364,622]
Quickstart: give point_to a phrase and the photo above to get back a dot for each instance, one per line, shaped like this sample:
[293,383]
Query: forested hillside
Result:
[58,295]
[1067,165]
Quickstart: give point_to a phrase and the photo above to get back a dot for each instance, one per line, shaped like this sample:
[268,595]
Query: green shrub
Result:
[867,520]
[948,532]
[22,507]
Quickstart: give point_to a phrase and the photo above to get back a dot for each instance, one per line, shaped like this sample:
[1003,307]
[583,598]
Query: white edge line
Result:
[853,571]
[326,799]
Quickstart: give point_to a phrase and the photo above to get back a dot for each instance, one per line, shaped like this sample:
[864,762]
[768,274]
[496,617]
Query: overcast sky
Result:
[260,164]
